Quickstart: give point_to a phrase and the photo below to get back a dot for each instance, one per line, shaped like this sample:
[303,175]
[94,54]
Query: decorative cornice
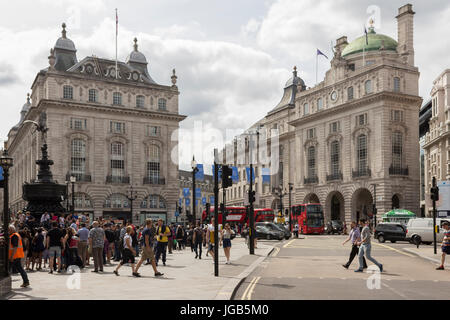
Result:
[384,95]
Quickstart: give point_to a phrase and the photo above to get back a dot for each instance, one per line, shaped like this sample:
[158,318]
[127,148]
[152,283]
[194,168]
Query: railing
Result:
[335,176]
[114,179]
[310,180]
[398,171]
[362,172]
[80,177]
[154,180]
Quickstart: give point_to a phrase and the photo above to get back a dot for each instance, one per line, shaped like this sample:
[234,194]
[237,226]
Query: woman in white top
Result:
[128,253]
[226,239]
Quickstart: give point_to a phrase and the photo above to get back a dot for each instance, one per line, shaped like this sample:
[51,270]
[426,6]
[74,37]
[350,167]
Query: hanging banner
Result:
[204,200]
[200,175]
[235,174]
[220,172]
[187,201]
[248,174]
[265,175]
[186,192]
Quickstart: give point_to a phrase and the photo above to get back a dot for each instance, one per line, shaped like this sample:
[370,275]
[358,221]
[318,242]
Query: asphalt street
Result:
[311,268]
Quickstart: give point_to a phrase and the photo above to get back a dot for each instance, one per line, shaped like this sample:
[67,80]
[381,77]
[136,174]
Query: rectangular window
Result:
[350,93]
[397,115]
[361,119]
[78,124]
[140,101]
[92,95]
[117,127]
[397,150]
[305,109]
[153,131]
[68,92]
[311,133]
[335,127]
[396,84]
[117,98]
[319,104]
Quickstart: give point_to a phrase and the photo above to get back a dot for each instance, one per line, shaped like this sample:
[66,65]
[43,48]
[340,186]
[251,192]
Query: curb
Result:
[228,291]
[425,257]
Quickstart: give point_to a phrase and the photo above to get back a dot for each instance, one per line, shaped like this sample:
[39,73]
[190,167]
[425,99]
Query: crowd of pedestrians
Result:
[56,242]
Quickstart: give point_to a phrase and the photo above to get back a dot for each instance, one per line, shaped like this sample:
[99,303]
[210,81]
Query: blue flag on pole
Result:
[265,175]
[321,53]
[200,175]
[186,192]
[248,174]
[235,174]
[198,193]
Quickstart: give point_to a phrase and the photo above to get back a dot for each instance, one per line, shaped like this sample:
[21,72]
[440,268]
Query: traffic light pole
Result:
[434,198]
[216,217]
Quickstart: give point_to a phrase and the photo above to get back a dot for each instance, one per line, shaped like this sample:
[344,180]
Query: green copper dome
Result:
[375,43]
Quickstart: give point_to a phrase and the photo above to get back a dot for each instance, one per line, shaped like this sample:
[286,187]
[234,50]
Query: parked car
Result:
[264,232]
[334,226]
[390,231]
[274,226]
[420,230]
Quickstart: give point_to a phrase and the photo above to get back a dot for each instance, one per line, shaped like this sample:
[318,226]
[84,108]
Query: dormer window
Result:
[162,104]
[68,92]
[117,98]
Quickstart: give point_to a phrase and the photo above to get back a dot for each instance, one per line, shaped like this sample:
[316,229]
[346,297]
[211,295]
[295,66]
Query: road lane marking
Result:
[276,253]
[287,244]
[395,291]
[253,288]
[396,250]
[248,287]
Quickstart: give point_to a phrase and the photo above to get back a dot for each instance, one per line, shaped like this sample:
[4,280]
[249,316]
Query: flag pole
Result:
[117,31]
[317,62]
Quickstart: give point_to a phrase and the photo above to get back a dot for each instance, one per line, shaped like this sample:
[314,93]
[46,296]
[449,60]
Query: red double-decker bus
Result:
[309,218]
[238,215]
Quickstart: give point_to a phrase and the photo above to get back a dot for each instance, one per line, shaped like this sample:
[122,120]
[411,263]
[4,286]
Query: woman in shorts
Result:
[226,239]
[37,248]
[128,253]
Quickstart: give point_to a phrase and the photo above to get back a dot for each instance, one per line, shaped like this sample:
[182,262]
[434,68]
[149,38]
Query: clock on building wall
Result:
[334,96]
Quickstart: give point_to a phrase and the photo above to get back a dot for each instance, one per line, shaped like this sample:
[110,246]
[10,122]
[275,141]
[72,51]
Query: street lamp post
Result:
[73,179]
[131,198]
[6,162]
[194,171]
[290,206]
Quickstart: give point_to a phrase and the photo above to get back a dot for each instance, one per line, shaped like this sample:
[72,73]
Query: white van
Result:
[420,230]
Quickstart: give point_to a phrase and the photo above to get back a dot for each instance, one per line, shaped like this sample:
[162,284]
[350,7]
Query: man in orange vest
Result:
[16,253]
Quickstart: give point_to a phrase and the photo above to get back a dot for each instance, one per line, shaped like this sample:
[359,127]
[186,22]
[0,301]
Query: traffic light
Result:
[227,172]
[251,196]
[374,209]
[435,193]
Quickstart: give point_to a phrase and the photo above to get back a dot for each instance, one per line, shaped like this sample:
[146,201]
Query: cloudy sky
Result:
[232,57]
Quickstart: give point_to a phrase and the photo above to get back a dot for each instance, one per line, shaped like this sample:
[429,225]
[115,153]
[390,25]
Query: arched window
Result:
[368,86]
[396,84]
[116,201]
[68,92]
[153,164]
[305,109]
[140,102]
[153,201]
[397,150]
[334,160]
[350,93]
[117,161]
[395,202]
[362,153]
[93,96]
[311,162]
[162,104]
[117,98]
[319,104]
[78,158]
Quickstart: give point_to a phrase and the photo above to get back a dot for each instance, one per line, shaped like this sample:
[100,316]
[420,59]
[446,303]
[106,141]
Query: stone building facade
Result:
[110,126]
[352,133]
[437,140]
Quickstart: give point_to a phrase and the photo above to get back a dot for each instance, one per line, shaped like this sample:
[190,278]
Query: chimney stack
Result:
[405,25]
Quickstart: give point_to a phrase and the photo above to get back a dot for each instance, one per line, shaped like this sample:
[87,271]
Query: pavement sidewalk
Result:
[185,278]
[427,252]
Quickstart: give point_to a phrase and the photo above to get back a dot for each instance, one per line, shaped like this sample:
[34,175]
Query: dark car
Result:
[334,226]
[274,226]
[390,231]
[264,232]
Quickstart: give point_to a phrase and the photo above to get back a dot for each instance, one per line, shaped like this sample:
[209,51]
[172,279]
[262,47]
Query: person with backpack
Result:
[162,235]
[197,240]
[147,249]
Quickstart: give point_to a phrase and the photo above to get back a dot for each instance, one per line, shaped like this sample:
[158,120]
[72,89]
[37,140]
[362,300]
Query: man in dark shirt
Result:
[147,251]
[109,235]
[54,244]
